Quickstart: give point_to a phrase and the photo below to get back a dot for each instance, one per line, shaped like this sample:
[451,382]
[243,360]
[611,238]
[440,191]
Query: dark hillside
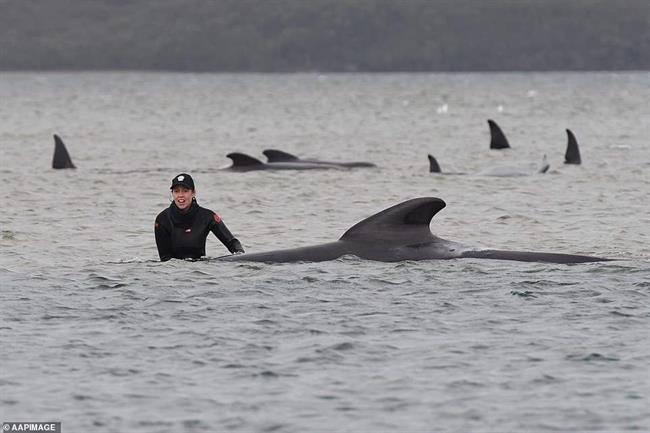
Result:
[325,35]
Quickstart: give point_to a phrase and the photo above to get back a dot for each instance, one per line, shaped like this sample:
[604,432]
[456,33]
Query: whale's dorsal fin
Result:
[572,155]
[405,223]
[545,165]
[274,155]
[434,167]
[498,139]
[61,156]
[243,160]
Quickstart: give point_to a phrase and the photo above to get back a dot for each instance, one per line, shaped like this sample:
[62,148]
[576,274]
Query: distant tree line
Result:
[325,35]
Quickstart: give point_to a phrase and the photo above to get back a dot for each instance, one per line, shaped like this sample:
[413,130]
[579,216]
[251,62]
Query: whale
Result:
[61,157]
[496,171]
[274,155]
[401,233]
[242,163]
[498,139]
[572,155]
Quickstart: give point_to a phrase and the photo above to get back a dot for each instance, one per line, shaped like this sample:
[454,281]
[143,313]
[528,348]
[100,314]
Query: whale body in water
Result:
[274,155]
[243,162]
[400,233]
[496,171]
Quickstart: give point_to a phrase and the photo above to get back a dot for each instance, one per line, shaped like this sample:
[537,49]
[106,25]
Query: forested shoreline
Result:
[325,35]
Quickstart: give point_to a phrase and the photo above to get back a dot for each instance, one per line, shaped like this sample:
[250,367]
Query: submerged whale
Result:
[572,155]
[497,171]
[243,162]
[498,139]
[274,155]
[399,233]
[61,157]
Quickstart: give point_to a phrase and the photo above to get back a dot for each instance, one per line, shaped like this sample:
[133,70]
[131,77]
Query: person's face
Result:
[182,196]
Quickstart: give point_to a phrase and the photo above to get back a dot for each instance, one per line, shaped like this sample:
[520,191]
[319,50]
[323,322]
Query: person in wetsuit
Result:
[182,228]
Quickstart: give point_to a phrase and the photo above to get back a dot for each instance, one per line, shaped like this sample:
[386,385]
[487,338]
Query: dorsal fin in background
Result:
[572,155]
[498,139]
[405,223]
[274,155]
[433,165]
[242,160]
[545,165]
[61,156]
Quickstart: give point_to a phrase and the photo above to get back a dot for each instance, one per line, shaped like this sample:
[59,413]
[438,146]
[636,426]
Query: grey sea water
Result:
[97,334]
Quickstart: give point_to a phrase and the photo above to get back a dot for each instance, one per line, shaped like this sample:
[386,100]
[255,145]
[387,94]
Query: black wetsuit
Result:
[182,235]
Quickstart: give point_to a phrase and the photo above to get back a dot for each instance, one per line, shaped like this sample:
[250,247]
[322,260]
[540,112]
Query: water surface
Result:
[98,334]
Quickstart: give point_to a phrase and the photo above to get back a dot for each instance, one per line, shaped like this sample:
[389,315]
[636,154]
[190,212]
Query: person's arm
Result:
[220,230]
[163,240]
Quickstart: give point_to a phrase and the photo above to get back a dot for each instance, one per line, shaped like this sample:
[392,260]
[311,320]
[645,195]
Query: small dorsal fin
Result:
[545,165]
[572,155]
[407,222]
[274,155]
[242,160]
[498,139]
[61,157]
[434,167]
